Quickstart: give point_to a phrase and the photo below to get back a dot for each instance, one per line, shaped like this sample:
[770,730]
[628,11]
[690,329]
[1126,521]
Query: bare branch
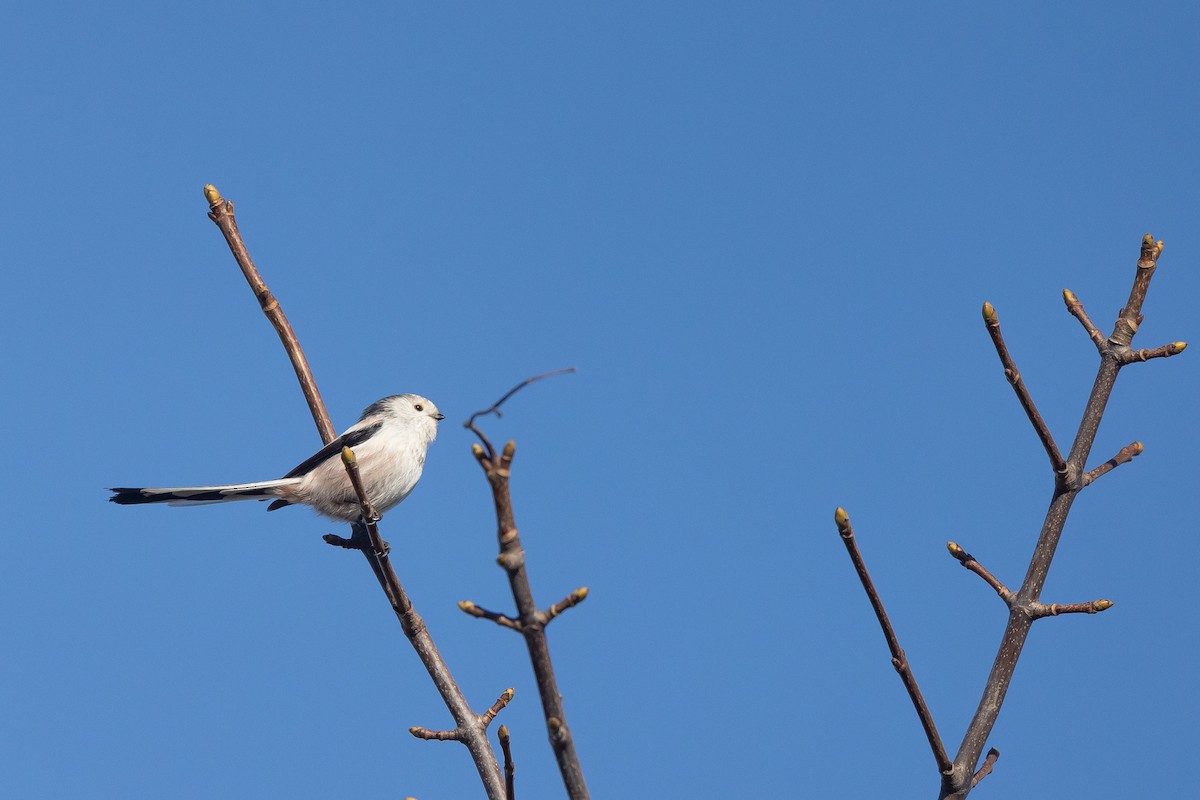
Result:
[350,461]
[570,601]
[221,212]
[503,700]
[1026,602]
[1123,456]
[1076,309]
[968,561]
[899,660]
[531,622]
[986,768]
[436,736]
[1130,317]
[509,768]
[495,407]
[992,321]
[1039,610]
[1167,350]
[365,537]
[467,607]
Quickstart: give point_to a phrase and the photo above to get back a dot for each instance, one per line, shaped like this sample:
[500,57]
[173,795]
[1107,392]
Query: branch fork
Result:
[962,774]
[529,621]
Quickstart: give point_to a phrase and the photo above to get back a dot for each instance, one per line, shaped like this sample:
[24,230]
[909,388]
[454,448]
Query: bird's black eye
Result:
[419,407]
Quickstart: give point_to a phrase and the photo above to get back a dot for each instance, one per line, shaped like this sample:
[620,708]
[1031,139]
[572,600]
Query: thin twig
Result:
[1076,309]
[992,321]
[364,537]
[899,660]
[1123,456]
[469,608]
[505,698]
[509,767]
[969,562]
[1039,610]
[986,769]
[1167,350]
[570,601]
[495,407]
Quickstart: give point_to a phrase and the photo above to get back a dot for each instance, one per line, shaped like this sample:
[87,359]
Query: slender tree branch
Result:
[986,769]
[505,698]
[968,561]
[369,513]
[365,537]
[1026,605]
[1123,456]
[570,601]
[1076,309]
[531,623]
[469,608]
[992,320]
[495,407]
[1167,350]
[221,213]
[899,660]
[1039,610]
[509,768]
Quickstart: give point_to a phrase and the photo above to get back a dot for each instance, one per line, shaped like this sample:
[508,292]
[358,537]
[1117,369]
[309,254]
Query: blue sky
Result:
[762,233]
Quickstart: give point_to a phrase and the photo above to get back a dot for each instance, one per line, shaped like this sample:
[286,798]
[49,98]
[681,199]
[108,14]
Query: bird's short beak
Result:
[439,417]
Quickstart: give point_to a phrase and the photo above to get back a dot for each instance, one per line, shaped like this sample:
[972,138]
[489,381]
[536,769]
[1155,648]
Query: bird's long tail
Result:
[200,495]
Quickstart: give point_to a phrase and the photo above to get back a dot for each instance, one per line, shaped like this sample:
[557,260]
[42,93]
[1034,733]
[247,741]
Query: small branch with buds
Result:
[992,320]
[968,561]
[960,776]
[471,729]
[529,621]
[899,660]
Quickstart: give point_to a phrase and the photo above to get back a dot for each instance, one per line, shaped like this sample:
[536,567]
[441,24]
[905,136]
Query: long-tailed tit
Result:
[389,441]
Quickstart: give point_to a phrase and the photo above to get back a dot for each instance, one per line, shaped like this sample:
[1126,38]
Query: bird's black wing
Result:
[350,438]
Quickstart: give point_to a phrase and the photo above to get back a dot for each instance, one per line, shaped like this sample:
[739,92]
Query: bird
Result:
[389,442]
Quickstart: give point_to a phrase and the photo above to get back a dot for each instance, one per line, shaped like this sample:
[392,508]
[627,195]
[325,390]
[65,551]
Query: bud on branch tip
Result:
[989,314]
[348,456]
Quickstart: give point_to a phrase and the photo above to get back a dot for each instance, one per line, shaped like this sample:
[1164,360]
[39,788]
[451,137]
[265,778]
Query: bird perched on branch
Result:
[389,442]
